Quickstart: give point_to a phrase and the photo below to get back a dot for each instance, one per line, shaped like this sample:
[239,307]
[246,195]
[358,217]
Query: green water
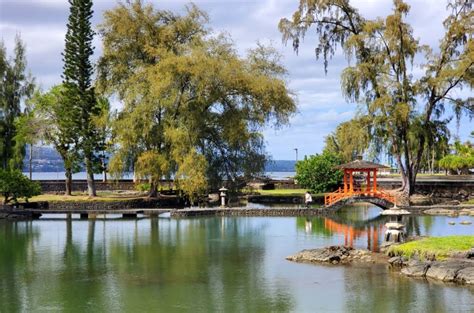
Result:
[211,265]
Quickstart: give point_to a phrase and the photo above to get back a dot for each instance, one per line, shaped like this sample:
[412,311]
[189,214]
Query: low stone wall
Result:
[250,212]
[282,199]
[58,186]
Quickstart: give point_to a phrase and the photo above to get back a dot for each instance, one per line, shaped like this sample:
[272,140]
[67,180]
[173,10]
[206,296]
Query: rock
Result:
[465,223]
[470,254]
[445,271]
[441,212]
[466,212]
[451,223]
[332,254]
[396,261]
[415,268]
[466,275]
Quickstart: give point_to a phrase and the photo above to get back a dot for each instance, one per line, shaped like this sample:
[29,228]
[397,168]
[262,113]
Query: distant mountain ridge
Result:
[47,159]
[280,166]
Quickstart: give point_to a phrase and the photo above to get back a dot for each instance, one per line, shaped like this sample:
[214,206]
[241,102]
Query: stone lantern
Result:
[223,196]
[395,228]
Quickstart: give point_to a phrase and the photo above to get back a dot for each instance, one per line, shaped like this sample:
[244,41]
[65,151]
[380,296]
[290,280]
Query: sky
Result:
[321,107]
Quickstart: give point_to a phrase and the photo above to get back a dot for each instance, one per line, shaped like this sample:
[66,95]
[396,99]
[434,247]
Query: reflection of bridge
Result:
[351,193]
[352,233]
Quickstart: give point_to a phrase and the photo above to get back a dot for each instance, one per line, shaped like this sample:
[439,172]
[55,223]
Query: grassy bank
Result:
[82,197]
[434,247]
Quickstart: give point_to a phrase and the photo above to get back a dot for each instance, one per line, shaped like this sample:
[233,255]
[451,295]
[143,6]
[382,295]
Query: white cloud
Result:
[321,105]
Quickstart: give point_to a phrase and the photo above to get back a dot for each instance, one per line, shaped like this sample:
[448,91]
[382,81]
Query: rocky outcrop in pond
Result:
[333,255]
[450,270]
[457,270]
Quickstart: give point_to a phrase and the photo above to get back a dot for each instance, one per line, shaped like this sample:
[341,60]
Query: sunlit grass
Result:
[434,247]
[82,197]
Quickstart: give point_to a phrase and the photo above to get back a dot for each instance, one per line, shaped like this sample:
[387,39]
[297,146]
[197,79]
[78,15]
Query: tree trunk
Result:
[68,181]
[31,162]
[90,179]
[153,193]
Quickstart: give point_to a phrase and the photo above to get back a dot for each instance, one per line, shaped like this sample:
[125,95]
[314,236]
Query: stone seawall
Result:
[282,199]
[442,187]
[250,212]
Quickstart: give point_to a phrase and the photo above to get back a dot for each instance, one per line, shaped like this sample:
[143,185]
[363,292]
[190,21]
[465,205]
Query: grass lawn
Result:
[439,247]
[285,192]
[101,196]
[470,201]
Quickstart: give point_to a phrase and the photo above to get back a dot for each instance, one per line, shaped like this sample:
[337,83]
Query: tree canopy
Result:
[461,161]
[16,86]
[318,172]
[193,108]
[349,140]
[405,108]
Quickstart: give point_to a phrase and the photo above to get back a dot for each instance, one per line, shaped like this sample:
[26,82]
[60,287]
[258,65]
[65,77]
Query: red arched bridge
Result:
[350,193]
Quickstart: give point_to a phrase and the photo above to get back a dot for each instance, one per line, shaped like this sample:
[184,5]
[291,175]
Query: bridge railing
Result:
[340,194]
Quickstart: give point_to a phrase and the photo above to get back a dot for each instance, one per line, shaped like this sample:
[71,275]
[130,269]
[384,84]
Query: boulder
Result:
[332,254]
[416,268]
[445,271]
[436,211]
[466,275]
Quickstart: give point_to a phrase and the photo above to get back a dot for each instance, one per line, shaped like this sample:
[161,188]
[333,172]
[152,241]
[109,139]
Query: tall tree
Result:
[403,108]
[77,81]
[15,87]
[59,128]
[193,109]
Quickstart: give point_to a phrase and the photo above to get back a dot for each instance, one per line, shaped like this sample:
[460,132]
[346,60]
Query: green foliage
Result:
[59,127]
[16,85]
[318,172]
[433,247]
[193,108]
[404,108]
[14,185]
[461,161]
[349,140]
[78,92]
[143,187]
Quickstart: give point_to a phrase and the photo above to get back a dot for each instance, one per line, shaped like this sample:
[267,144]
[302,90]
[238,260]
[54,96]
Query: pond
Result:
[212,264]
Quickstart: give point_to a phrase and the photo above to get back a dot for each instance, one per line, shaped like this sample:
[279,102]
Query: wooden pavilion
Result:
[350,189]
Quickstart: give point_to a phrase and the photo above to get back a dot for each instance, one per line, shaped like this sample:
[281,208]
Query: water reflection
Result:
[222,264]
[198,265]
[362,226]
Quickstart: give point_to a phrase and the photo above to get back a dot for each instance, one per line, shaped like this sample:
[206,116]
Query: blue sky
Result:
[42,25]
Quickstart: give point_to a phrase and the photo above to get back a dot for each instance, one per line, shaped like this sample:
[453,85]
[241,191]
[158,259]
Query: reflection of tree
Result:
[15,256]
[199,265]
[80,282]
[412,225]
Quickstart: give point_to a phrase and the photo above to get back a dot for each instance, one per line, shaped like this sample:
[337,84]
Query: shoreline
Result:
[93,206]
[452,270]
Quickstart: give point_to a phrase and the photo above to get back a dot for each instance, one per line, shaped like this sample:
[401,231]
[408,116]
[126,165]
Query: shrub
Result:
[318,172]
[143,187]
[14,185]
